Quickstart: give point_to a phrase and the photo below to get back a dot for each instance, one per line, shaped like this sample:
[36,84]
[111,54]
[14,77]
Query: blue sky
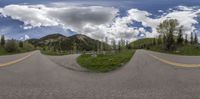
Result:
[113,18]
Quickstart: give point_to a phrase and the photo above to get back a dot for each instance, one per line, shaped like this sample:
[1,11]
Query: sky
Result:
[98,19]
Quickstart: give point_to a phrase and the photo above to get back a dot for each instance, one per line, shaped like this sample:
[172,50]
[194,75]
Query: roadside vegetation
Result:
[172,39]
[106,59]
[105,62]
[8,47]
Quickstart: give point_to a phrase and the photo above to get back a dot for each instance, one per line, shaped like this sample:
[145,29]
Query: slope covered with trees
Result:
[60,44]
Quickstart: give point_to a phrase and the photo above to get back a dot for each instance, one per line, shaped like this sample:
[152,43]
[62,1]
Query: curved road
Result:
[144,77]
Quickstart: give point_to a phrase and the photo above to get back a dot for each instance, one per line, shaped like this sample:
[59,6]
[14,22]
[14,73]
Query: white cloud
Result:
[78,19]
[25,37]
[185,15]
[98,21]
[160,11]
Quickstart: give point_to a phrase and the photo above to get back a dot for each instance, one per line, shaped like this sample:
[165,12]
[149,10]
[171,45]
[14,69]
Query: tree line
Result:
[171,36]
[13,45]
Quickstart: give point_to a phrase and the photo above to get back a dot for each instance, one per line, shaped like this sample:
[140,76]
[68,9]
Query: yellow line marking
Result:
[174,63]
[15,61]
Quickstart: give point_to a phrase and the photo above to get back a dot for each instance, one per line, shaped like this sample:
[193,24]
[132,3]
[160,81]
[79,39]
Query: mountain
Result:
[53,37]
[61,42]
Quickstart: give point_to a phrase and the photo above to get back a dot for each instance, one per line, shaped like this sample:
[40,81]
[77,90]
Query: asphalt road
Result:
[144,77]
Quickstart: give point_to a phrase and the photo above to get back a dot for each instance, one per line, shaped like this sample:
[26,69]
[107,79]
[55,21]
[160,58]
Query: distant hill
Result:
[53,37]
[140,42]
[61,42]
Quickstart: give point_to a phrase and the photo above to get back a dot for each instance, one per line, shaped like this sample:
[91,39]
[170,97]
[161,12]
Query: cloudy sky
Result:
[115,19]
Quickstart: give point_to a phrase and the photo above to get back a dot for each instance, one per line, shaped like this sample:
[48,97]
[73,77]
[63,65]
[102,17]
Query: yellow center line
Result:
[15,61]
[174,63]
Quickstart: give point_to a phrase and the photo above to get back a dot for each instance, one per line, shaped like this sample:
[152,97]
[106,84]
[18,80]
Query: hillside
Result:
[63,43]
[140,42]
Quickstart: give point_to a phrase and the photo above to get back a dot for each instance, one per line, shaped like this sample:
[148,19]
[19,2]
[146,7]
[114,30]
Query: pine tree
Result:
[170,41]
[154,41]
[180,37]
[128,46]
[191,38]
[3,41]
[21,44]
[186,39]
[195,39]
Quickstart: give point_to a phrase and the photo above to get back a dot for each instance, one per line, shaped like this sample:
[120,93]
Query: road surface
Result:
[148,75]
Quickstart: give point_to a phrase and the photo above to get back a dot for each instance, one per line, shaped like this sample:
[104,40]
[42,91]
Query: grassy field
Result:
[105,63]
[185,49]
[190,50]
[4,52]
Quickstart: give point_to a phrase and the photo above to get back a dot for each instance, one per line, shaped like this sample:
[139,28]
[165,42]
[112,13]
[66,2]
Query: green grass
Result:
[190,50]
[4,52]
[53,53]
[105,63]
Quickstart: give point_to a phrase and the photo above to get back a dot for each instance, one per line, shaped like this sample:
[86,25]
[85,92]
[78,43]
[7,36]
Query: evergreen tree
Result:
[3,41]
[11,46]
[180,37]
[21,44]
[114,44]
[128,46]
[170,41]
[191,38]
[195,39]
[186,39]
[154,41]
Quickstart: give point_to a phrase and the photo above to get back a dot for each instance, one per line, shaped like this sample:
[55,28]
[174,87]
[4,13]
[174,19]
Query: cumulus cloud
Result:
[185,15]
[100,22]
[78,19]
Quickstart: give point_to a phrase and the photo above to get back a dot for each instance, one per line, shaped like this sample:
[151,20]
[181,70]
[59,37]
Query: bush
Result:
[28,47]
[21,44]
[11,46]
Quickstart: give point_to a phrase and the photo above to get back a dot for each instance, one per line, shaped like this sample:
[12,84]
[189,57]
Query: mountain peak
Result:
[56,36]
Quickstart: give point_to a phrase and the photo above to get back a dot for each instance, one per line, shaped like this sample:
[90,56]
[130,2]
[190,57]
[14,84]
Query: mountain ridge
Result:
[60,42]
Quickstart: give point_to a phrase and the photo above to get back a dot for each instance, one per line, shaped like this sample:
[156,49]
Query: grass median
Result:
[105,62]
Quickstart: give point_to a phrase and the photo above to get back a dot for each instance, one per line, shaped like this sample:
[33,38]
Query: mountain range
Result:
[60,42]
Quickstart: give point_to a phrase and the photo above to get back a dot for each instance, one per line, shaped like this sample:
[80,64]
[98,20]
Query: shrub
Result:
[11,46]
